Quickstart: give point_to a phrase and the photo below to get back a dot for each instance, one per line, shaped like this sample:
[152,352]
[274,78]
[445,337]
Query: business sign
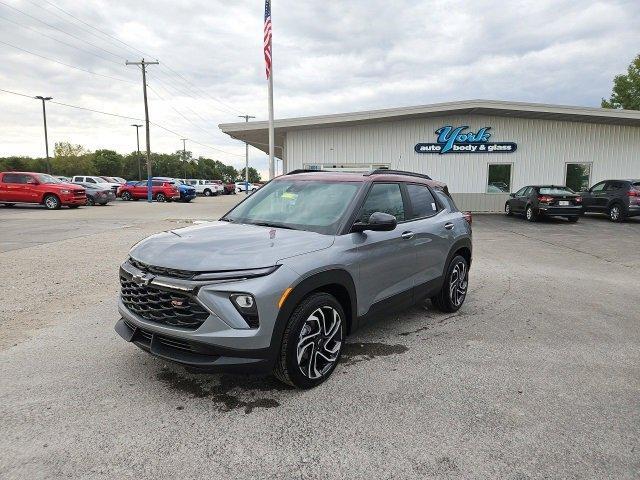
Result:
[460,140]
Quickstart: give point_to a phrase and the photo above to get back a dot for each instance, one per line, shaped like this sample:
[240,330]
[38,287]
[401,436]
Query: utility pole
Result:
[184,156]
[46,140]
[138,142]
[246,158]
[143,66]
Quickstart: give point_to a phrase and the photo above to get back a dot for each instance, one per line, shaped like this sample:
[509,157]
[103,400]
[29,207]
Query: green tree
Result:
[254,176]
[626,89]
[67,149]
[108,162]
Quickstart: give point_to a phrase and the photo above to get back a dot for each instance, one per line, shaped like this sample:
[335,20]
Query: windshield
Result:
[556,191]
[44,178]
[297,204]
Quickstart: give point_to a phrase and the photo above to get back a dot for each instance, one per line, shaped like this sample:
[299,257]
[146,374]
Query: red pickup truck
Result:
[30,187]
[160,191]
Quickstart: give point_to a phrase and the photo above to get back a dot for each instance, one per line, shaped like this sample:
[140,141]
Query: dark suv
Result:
[280,280]
[617,198]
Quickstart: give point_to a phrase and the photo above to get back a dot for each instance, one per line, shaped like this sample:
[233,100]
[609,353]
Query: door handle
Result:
[407,235]
[448,226]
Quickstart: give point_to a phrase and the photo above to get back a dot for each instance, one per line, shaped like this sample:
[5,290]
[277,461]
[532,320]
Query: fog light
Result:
[246,306]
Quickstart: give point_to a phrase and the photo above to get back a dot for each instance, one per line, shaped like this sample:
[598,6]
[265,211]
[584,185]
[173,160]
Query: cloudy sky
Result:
[332,56]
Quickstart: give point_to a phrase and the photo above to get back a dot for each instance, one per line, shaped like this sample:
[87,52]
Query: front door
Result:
[519,201]
[386,261]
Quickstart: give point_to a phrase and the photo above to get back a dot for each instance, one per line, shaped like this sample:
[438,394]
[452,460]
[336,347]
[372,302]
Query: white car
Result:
[240,187]
[207,188]
[95,179]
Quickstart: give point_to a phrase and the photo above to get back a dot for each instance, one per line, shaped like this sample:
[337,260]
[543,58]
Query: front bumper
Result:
[73,200]
[195,354]
[224,341]
[633,211]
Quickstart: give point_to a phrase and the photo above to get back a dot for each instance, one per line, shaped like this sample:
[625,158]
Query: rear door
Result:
[387,261]
[432,229]
[11,187]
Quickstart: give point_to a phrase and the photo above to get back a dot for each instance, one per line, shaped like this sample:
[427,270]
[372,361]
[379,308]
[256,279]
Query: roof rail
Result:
[385,171]
[303,170]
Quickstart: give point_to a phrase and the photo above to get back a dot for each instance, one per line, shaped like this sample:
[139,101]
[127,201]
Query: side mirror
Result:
[512,195]
[378,222]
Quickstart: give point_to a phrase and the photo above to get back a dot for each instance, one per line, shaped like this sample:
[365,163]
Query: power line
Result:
[58,40]
[96,28]
[177,111]
[61,30]
[231,109]
[67,64]
[126,117]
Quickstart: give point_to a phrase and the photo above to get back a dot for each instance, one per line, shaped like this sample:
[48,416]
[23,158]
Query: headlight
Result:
[65,192]
[246,306]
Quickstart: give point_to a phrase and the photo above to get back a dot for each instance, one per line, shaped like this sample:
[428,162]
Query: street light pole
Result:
[246,158]
[138,143]
[184,156]
[46,139]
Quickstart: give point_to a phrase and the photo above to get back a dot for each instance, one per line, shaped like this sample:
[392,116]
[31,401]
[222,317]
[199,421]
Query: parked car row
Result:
[210,188]
[618,199]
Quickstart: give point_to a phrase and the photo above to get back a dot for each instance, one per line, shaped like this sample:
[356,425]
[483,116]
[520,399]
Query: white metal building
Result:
[482,149]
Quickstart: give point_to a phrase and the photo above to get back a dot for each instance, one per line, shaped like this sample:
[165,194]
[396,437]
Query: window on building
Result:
[422,202]
[385,198]
[578,176]
[499,179]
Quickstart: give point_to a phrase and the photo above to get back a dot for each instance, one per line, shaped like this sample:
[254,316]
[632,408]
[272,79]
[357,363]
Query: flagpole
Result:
[271,130]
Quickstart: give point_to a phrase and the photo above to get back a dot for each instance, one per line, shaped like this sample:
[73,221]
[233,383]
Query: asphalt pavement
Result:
[537,376]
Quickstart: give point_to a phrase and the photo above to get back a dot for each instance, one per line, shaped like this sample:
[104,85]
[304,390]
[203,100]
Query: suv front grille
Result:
[162,306]
[167,272]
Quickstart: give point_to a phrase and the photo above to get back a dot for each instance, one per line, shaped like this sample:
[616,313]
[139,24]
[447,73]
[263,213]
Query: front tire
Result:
[454,289]
[207,193]
[615,213]
[90,202]
[530,214]
[161,198]
[312,342]
[126,196]
[51,202]
[507,210]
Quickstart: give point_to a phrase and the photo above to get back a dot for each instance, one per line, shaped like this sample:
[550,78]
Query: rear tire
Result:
[9,205]
[126,196]
[615,213]
[207,192]
[160,197]
[530,214]
[51,201]
[90,202]
[454,290]
[312,342]
[573,219]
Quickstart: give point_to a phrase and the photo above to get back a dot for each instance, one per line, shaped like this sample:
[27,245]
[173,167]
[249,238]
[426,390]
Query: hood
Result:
[226,246]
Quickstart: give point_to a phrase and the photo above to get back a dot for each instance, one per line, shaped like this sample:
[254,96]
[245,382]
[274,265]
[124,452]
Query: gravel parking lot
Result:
[537,376]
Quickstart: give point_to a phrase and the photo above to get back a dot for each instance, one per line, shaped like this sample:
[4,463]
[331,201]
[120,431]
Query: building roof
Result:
[256,133]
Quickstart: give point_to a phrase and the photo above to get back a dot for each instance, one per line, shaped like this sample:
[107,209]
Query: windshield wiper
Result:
[275,225]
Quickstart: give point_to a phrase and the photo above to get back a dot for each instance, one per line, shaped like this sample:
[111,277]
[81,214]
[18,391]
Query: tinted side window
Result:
[598,187]
[614,186]
[422,202]
[13,178]
[385,198]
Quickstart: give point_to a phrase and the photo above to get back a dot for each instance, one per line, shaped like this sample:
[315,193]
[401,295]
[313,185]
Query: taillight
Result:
[545,199]
[633,193]
[467,216]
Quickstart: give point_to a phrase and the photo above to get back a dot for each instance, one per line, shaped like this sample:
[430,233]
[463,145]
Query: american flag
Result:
[267,36]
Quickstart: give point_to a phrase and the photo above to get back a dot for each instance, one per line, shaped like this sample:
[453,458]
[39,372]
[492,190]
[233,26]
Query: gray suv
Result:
[279,281]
